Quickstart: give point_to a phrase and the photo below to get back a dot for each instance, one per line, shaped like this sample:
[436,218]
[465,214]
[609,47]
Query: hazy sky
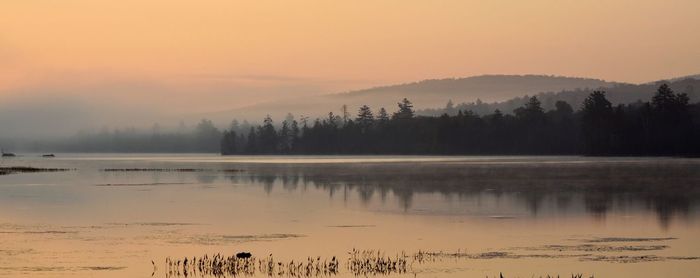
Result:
[211,55]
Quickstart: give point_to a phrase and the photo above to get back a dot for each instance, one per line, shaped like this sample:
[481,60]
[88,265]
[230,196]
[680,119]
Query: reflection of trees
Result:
[206,179]
[597,203]
[667,206]
[668,190]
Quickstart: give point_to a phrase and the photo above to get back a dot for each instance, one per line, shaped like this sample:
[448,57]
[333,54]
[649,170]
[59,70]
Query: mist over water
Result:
[114,213]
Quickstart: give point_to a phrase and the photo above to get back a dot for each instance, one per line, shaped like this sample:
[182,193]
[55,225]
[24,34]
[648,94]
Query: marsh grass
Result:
[373,262]
[236,265]
[359,263]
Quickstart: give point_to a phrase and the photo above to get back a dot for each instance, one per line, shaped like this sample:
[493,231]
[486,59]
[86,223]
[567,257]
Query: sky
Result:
[209,55]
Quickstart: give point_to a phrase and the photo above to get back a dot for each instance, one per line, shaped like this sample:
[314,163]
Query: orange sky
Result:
[248,51]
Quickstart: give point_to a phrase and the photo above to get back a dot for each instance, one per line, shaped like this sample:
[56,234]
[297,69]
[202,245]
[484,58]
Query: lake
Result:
[476,216]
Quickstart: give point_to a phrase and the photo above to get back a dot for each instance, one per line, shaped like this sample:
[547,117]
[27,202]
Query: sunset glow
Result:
[310,47]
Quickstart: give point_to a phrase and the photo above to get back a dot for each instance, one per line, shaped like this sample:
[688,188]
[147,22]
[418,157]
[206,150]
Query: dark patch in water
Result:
[634,259]
[103,267]
[595,248]
[224,239]
[502,217]
[39,232]
[156,224]
[628,239]
[169,170]
[352,226]
[142,184]
[22,169]
[152,170]
[424,256]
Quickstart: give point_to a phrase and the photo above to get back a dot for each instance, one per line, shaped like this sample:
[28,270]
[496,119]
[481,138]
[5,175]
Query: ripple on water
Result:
[628,239]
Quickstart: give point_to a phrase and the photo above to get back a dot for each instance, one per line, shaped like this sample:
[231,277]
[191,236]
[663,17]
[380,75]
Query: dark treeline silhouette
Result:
[667,125]
[619,93]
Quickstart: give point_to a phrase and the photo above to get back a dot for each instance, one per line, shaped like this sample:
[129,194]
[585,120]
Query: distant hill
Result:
[694,76]
[617,93]
[424,94]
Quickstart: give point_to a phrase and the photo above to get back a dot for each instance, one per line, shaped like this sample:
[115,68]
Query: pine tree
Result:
[252,142]
[229,143]
[284,138]
[531,112]
[596,114]
[405,110]
[267,136]
[382,116]
[365,118]
[294,136]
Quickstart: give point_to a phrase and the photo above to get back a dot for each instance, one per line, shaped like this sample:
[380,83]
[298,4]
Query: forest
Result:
[666,125]
[204,137]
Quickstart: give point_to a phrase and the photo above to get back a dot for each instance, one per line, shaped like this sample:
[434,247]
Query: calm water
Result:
[523,216]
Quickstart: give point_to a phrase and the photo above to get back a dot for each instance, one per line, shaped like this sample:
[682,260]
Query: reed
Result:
[237,265]
[372,262]
[359,263]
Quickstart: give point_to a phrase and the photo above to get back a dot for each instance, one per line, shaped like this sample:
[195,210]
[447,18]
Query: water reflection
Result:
[668,190]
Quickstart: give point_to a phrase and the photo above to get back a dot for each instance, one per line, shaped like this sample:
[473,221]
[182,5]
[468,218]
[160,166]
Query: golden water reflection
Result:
[522,216]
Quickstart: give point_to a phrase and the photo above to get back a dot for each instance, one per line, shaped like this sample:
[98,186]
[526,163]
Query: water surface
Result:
[523,216]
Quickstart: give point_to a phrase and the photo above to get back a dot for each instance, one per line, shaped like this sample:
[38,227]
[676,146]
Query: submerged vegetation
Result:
[22,169]
[167,170]
[668,125]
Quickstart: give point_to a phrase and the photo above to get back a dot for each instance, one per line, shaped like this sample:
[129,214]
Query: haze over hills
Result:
[424,94]
[616,94]
[49,118]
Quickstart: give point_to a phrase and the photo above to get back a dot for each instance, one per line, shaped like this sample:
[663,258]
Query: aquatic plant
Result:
[247,265]
[366,262]
[24,169]
[359,263]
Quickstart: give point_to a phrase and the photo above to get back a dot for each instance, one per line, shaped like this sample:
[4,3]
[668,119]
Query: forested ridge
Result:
[618,93]
[667,124]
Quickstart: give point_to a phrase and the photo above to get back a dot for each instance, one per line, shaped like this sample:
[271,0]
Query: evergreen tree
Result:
[345,114]
[449,107]
[365,118]
[284,138]
[382,116]
[596,114]
[229,143]
[664,126]
[405,110]
[294,136]
[671,122]
[563,108]
[267,136]
[252,142]
[531,112]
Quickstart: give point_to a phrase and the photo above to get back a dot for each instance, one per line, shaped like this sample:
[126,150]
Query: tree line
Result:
[666,125]
[203,137]
[619,93]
